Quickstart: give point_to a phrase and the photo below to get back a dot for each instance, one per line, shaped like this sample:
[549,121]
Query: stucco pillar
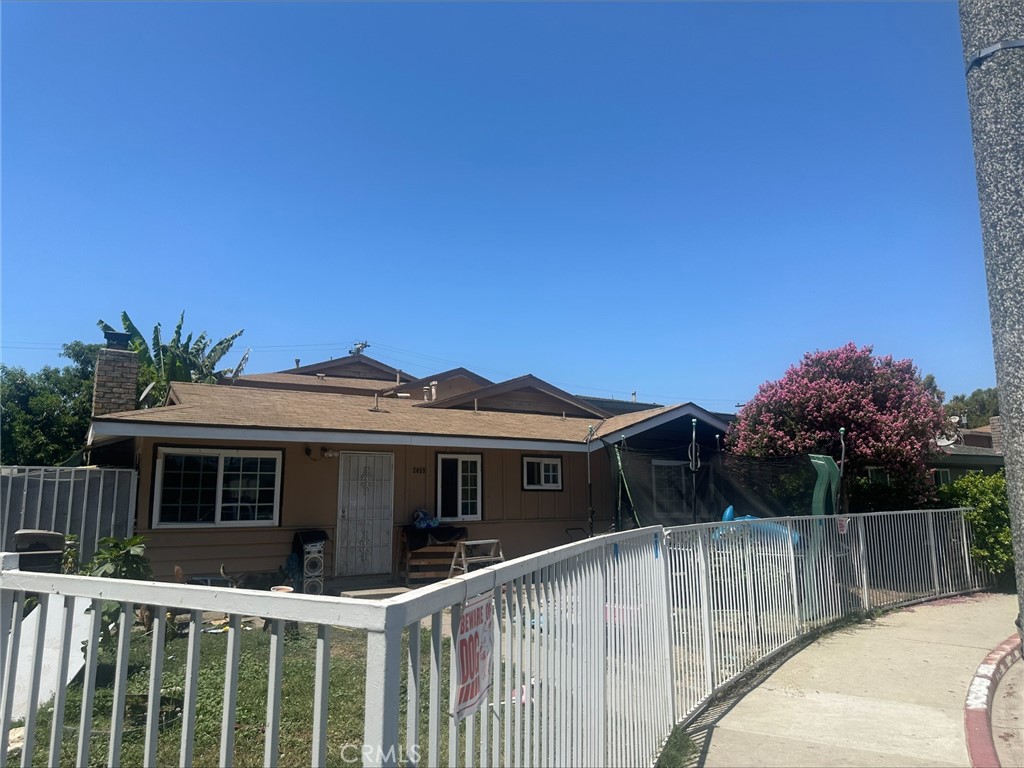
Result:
[993,39]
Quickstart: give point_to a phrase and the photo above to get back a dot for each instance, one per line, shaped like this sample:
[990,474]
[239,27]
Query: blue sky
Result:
[674,198]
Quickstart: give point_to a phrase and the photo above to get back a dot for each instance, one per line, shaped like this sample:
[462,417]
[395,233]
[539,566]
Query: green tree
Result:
[44,416]
[932,387]
[178,359]
[989,517]
[975,409]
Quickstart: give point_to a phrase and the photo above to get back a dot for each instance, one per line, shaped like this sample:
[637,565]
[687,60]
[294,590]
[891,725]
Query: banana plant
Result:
[179,359]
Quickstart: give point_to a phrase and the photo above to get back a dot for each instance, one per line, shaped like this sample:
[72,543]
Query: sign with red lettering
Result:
[474,644]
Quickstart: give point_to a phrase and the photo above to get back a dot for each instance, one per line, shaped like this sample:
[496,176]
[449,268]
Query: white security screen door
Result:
[365,514]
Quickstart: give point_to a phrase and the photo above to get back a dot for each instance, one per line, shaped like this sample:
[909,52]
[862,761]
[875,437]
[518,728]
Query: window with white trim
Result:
[941,476]
[878,475]
[542,473]
[206,486]
[458,486]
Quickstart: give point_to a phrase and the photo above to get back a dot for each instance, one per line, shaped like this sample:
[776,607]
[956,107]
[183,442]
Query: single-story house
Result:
[229,473]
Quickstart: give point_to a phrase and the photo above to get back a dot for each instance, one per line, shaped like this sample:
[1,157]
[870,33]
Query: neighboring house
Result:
[977,450]
[229,473]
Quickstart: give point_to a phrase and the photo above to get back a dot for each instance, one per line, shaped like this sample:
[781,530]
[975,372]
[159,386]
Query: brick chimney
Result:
[997,433]
[117,374]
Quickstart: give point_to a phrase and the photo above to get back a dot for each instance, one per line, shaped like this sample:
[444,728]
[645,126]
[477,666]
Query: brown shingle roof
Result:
[222,406]
[618,423]
[310,382]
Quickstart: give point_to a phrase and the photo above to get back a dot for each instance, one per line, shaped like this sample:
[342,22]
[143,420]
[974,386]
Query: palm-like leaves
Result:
[178,359]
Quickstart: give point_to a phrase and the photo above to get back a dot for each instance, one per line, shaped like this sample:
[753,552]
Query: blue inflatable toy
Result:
[761,528]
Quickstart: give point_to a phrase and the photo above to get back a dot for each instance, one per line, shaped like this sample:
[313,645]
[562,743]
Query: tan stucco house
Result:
[229,473]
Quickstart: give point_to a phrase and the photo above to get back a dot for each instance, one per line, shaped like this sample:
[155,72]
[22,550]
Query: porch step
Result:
[426,564]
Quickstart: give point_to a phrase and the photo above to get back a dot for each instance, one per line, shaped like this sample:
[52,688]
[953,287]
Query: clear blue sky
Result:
[674,198]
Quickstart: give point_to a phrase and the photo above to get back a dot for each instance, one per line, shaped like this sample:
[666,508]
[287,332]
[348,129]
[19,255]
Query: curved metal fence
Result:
[741,591]
[582,655]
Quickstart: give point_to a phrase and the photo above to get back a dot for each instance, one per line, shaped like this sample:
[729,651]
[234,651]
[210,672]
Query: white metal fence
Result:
[89,502]
[584,638]
[741,592]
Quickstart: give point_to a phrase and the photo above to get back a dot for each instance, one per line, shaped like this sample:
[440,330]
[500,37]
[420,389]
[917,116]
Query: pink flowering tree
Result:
[891,420]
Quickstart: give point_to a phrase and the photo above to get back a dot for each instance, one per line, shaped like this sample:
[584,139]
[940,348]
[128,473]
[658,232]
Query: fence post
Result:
[132,492]
[862,546]
[705,610]
[932,546]
[9,638]
[661,543]
[383,681]
[8,562]
[797,623]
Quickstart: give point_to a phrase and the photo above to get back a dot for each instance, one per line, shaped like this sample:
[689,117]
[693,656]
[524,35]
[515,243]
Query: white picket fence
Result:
[599,647]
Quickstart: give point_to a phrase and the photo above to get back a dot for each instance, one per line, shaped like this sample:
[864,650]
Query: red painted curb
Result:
[977,708]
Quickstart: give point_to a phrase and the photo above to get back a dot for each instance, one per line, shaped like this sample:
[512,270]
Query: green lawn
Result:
[345,719]
[345,705]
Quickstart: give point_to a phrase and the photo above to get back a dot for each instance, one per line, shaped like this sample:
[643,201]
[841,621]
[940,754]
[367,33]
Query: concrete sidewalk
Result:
[1008,717]
[889,692]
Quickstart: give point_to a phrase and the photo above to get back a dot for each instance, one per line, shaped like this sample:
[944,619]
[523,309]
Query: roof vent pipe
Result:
[297,361]
[433,390]
[398,377]
[376,401]
[634,395]
[426,393]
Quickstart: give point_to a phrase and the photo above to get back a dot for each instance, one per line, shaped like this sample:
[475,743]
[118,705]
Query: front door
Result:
[365,514]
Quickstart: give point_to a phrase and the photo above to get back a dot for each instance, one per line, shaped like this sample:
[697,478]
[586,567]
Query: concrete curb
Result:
[978,707]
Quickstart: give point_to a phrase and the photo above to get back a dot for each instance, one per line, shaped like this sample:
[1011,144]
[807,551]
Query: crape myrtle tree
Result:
[890,414]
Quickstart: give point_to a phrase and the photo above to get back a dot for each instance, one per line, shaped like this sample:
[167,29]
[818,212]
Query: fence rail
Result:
[88,502]
[582,637]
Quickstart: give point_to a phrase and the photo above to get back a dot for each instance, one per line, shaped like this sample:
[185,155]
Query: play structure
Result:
[809,546]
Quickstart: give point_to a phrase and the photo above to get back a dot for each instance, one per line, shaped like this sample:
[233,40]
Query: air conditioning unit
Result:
[313,568]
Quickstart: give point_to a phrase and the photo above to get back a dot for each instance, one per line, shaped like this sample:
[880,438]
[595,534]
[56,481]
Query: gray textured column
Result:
[995,90]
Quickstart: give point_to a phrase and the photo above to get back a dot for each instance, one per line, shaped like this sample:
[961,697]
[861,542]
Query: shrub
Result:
[989,517]
[121,559]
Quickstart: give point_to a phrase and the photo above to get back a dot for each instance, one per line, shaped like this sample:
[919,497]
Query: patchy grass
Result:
[347,682]
[345,701]
[678,751]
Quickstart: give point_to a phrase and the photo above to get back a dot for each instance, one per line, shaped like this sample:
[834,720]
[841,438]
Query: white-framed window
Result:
[941,476]
[209,486]
[458,486]
[542,473]
[878,475]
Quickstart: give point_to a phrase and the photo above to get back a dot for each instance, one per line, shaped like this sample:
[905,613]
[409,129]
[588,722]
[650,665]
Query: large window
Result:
[542,473]
[201,486]
[458,486]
